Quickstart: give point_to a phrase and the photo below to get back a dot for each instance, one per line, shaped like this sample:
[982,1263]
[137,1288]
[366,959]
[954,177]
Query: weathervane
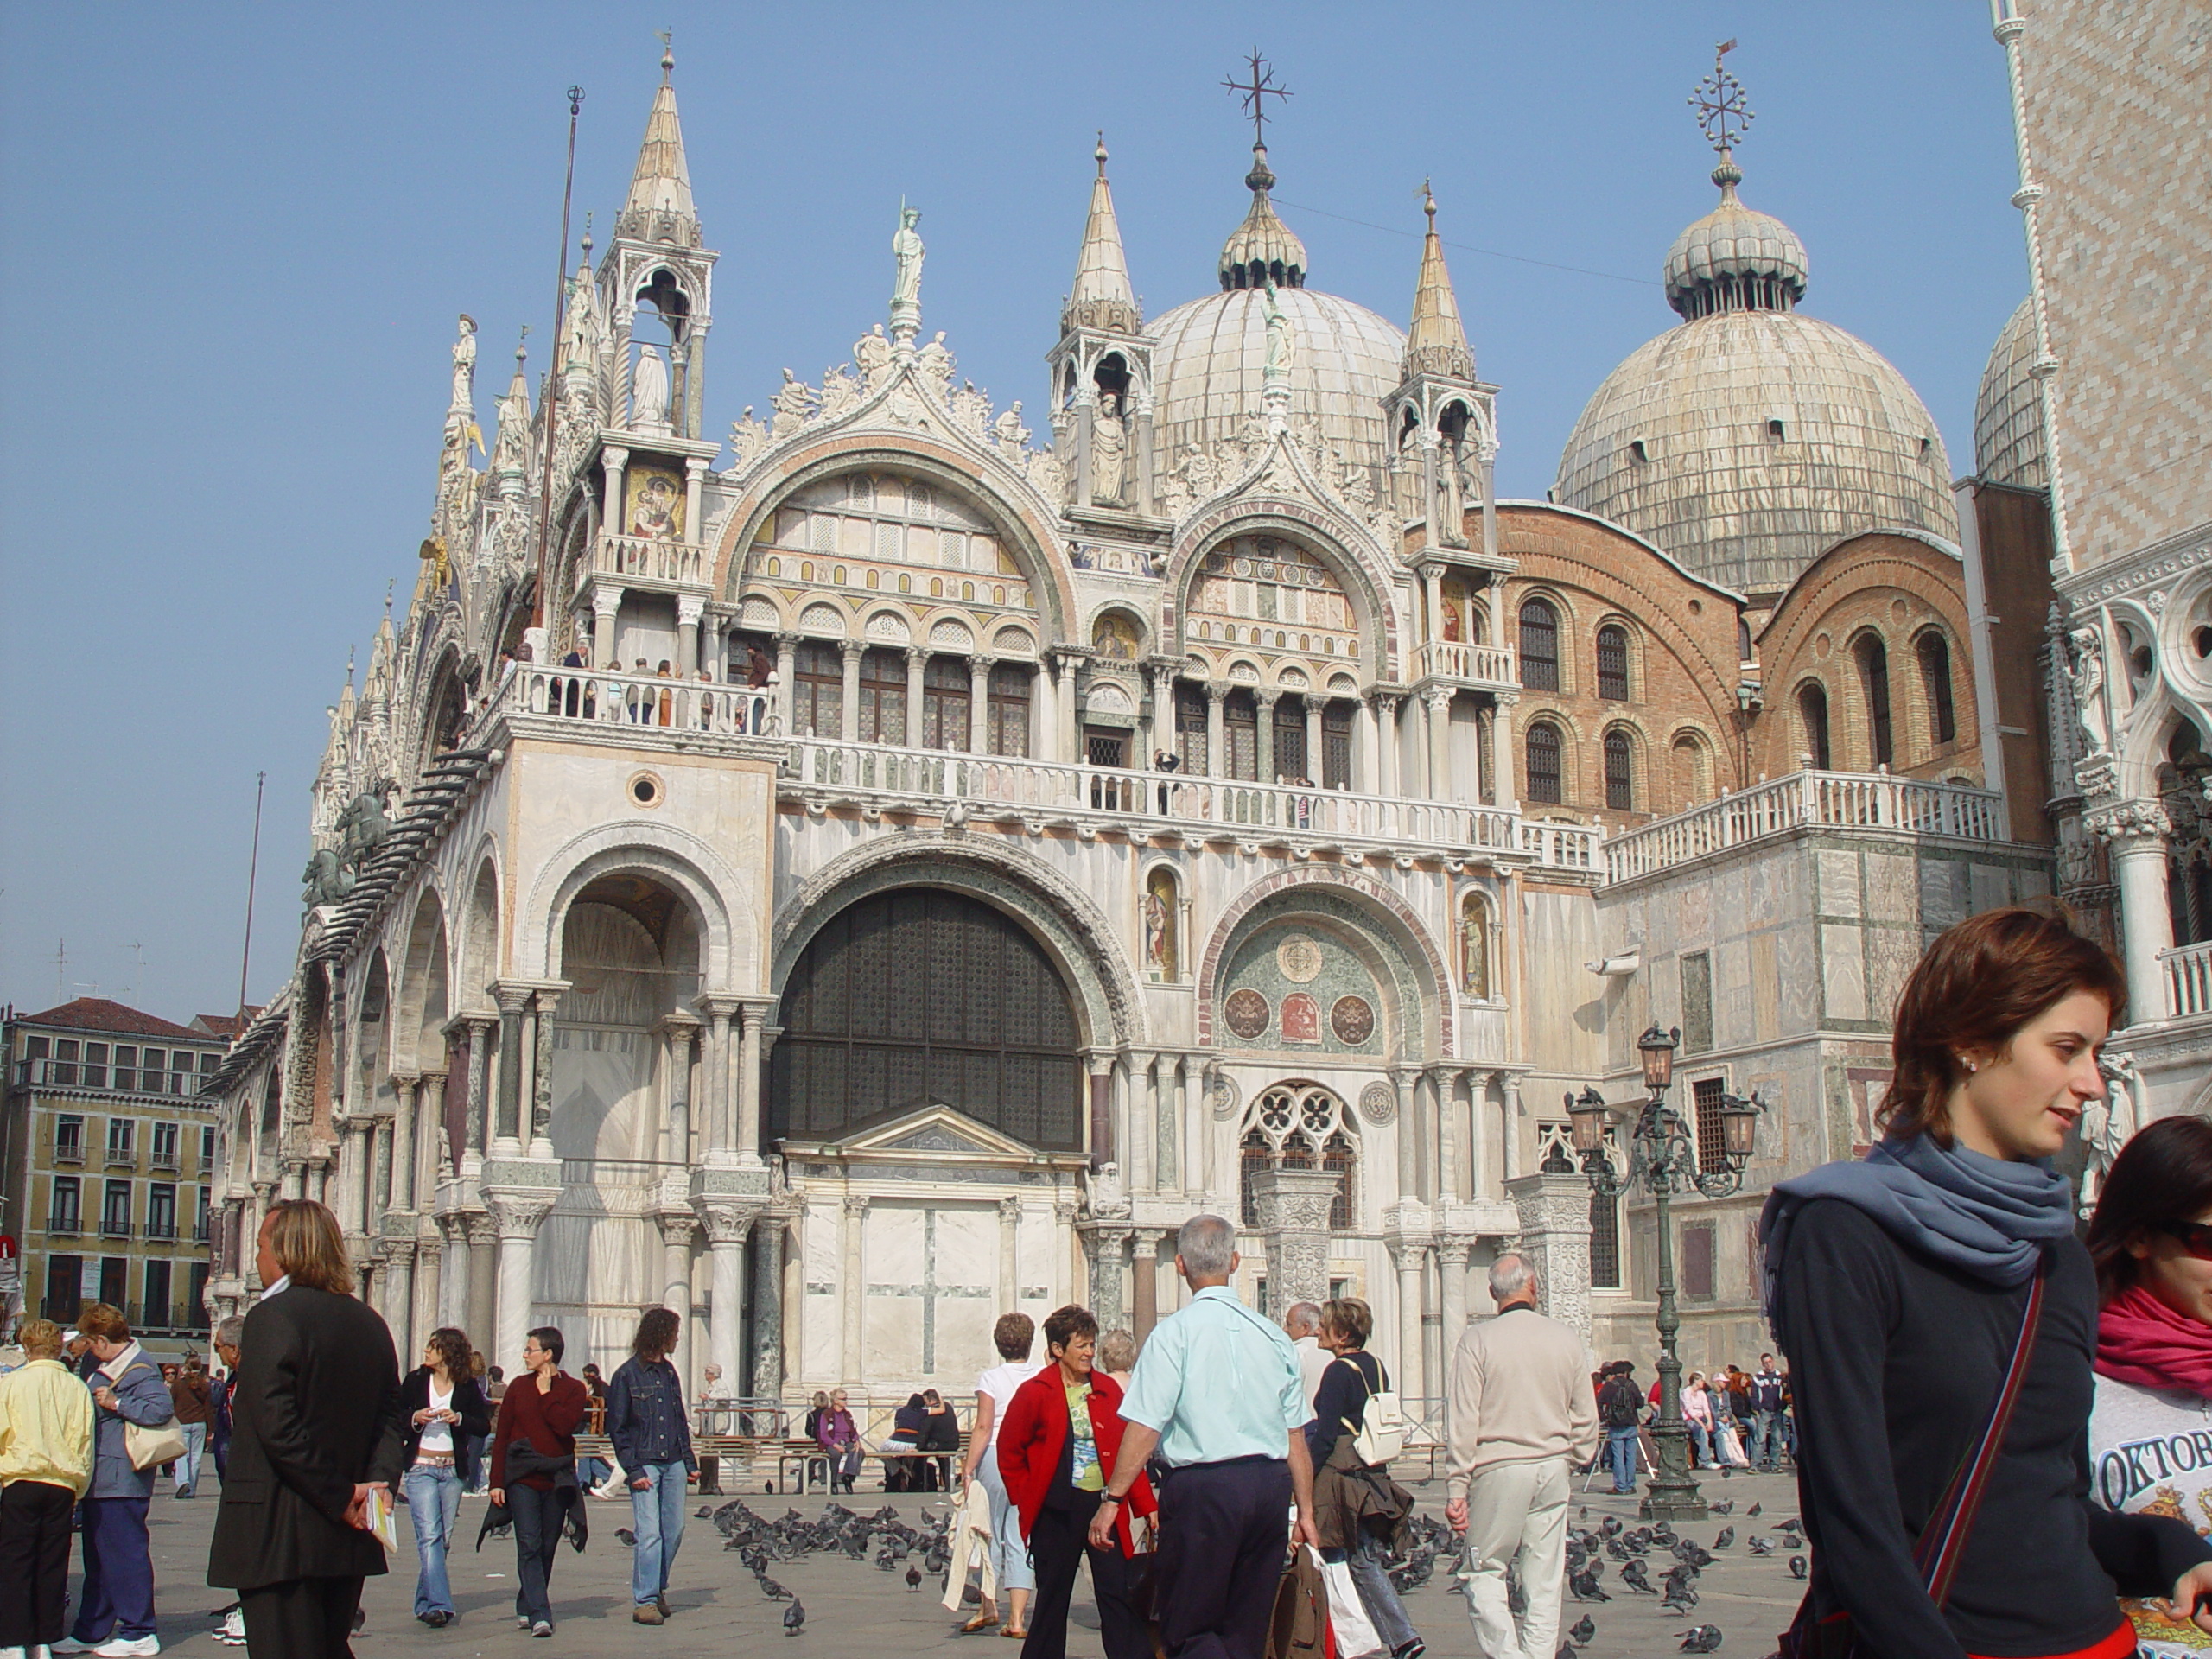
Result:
[1723,115]
[1255,92]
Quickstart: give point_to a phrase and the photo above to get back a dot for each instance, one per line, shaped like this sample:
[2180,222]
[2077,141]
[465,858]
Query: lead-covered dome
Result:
[1209,358]
[1751,439]
[2008,411]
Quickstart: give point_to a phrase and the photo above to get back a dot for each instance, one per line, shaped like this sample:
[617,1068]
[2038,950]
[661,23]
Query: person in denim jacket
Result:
[653,1442]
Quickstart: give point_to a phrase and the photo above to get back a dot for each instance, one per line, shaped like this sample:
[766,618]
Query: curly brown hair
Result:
[451,1346]
[1014,1336]
[1980,981]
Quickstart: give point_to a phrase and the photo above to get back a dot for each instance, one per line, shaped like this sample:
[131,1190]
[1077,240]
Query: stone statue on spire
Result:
[906,289]
[649,392]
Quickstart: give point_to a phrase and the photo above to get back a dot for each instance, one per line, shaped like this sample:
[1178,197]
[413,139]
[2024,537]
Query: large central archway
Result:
[921,996]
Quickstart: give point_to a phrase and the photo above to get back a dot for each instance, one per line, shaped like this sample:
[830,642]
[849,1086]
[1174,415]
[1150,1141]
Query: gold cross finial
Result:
[1723,114]
[1255,92]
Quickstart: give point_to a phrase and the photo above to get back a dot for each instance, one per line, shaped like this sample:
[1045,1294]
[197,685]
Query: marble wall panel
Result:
[1988,886]
[1892,886]
[820,1332]
[1838,870]
[1766,986]
[1891,954]
[1731,992]
[1843,972]
[1942,893]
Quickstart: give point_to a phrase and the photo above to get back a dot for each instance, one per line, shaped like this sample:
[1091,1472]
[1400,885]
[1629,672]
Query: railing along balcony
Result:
[2188,980]
[1453,659]
[617,700]
[1023,786]
[1808,799]
[646,561]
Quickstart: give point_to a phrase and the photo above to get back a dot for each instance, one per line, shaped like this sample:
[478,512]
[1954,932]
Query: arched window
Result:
[1543,767]
[1874,682]
[1240,732]
[1620,778]
[1813,715]
[1539,646]
[1300,1126]
[1612,663]
[1474,945]
[1686,761]
[1935,677]
[1009,709]
[819,689]
[883,697]
[946,684]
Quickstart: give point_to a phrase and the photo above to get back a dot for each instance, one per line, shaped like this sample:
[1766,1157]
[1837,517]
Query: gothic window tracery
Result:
[1873,659]
[1300,1126]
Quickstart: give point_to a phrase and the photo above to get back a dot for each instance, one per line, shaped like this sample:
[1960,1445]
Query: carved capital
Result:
[2128,824]
[856,1208]
[676,1227]
[399,1252]
[518,1213]
[478,1227]
[727,1223]
[1009,1208]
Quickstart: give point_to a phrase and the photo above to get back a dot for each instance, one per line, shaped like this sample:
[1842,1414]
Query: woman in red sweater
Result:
[1056,1479]
[534,1467]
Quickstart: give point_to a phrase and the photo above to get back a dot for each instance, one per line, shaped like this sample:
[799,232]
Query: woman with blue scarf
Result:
[1933,1297]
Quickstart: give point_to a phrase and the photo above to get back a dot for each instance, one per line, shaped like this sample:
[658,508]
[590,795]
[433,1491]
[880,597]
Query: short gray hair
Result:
[232,1331]
[1301,1317]
[1511,1278]
[1207,1245]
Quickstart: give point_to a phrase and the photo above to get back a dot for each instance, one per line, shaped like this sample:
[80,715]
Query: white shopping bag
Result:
[1348,1622]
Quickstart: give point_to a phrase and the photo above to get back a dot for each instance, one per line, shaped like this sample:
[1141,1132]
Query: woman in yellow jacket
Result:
[46,1464]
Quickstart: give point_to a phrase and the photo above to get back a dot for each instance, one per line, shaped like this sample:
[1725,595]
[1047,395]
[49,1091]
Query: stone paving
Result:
[856,1611]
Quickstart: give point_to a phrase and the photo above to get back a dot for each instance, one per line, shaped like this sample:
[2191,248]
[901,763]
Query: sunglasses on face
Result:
[2196,1237]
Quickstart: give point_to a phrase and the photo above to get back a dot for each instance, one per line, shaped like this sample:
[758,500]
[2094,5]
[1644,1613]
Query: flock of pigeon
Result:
[926,1552]
[1638,1550]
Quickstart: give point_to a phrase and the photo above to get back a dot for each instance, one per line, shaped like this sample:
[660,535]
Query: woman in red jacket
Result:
[1056,1480]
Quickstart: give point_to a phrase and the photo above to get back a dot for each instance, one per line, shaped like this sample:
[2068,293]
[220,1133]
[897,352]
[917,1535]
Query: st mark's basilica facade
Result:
[895,864]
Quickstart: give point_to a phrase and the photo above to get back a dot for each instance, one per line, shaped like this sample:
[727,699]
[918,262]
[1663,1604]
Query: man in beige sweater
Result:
[1522,1418]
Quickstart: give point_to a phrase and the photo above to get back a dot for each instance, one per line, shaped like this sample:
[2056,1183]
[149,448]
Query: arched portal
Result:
[918,997]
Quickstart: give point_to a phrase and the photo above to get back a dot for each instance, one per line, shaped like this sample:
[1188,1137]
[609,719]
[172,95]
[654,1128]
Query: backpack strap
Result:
[1943,1541]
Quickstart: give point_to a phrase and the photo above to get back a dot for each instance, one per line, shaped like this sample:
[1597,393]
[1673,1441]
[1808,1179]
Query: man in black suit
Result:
[316,1423]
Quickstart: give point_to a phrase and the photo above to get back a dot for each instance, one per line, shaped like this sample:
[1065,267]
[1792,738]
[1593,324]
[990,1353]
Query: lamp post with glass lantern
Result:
[1663,1159]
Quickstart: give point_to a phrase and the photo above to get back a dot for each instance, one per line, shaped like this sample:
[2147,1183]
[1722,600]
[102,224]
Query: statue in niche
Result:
[794,406]
[464,364]
[872,351]
[747,439]
[933,363]
[2089,677]
[1114,639]
[1109,1195]
[649,392]
[1109,452]
[1282,353]
[2107,1125]
[1011,435]
[1160,924]
[1451,503]
[907,249]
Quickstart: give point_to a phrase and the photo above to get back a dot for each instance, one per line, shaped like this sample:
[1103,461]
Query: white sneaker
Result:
[135,1647]
[231,1633]
[70,1644]
[11,1653]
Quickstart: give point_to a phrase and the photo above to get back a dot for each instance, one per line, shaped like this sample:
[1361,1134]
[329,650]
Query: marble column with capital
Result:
[766,1378]
[429,1276]
[516,1217]
[1216,694]
[1263,762]
[514,1001]
[1386,748]
[979,704]
[542,1007]
[406,1090]
[687,609]
[479,1082]
[2136,832]
[715,1078]
[1101,1062]
[1009,1254]
[727,1226]
[1452,1256]
[752,1016]
[396,1302]
[1411,1256]
[1402,1079]
[849,724]
[678,1228]
[917,658]
[480,1317]
[787,663]
[853,1301]
[1511,1111]
[1440,743]
[1503,761]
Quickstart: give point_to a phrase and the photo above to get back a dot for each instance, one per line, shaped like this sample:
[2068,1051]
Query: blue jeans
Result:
[1766,1446]
[119,1592]
[1009,1552]
[433,1509]
[187,1466]
[657,1514]
[1620,1457]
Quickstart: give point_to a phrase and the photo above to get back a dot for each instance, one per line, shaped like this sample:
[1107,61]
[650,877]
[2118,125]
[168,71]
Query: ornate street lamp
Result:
[1663,1161]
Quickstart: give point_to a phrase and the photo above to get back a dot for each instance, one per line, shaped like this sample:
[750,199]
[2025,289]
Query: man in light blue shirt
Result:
[1216,1392]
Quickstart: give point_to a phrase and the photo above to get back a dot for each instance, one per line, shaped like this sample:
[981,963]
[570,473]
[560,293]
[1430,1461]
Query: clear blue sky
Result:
[239,237]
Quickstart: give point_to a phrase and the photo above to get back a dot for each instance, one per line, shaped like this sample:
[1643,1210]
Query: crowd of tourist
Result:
[1995,1425]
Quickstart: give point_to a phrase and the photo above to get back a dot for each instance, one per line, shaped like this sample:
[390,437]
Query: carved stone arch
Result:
[422,994]
[889,625]
[478,954]
[1081,940]
[714,889]
[371,1020]
[1028,532]
[1336,540]
[2150,726]
[1389,917]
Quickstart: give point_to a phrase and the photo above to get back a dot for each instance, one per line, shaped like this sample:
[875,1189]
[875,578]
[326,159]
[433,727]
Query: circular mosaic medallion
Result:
[1247,1013]
[1352,1019]
[1226,1098]
[1299,958]
[1378,1103]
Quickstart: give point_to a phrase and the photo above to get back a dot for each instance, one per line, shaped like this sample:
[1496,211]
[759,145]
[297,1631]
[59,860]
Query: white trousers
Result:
[1517,1511]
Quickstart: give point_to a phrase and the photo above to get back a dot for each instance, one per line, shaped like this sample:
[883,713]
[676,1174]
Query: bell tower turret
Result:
[1101,371]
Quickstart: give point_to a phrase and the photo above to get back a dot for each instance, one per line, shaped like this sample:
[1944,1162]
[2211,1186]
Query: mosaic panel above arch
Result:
[884,532]
[1267,592]
[1317,980]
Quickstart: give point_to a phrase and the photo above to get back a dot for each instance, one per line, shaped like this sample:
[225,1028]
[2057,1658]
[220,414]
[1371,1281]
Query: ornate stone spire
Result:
[658,208]
[1103,297]
[1436,344]
[1263,249]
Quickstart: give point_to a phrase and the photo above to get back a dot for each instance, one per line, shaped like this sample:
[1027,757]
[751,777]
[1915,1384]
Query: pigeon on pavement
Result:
[914,1579]
[1727,1537]
[1585,1583]
[1721,1508]
[1796,1567]
[1701,1638]
[1760,1546]
[770,1589]
[795,1620]
[1584,1630]
[629,1538]
[1749,1513]
[1638,1578]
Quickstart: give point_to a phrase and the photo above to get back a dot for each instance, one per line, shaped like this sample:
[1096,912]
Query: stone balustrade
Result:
[1808,799]
[650,700]
[2188,980]
[646,560]
[1452,659]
